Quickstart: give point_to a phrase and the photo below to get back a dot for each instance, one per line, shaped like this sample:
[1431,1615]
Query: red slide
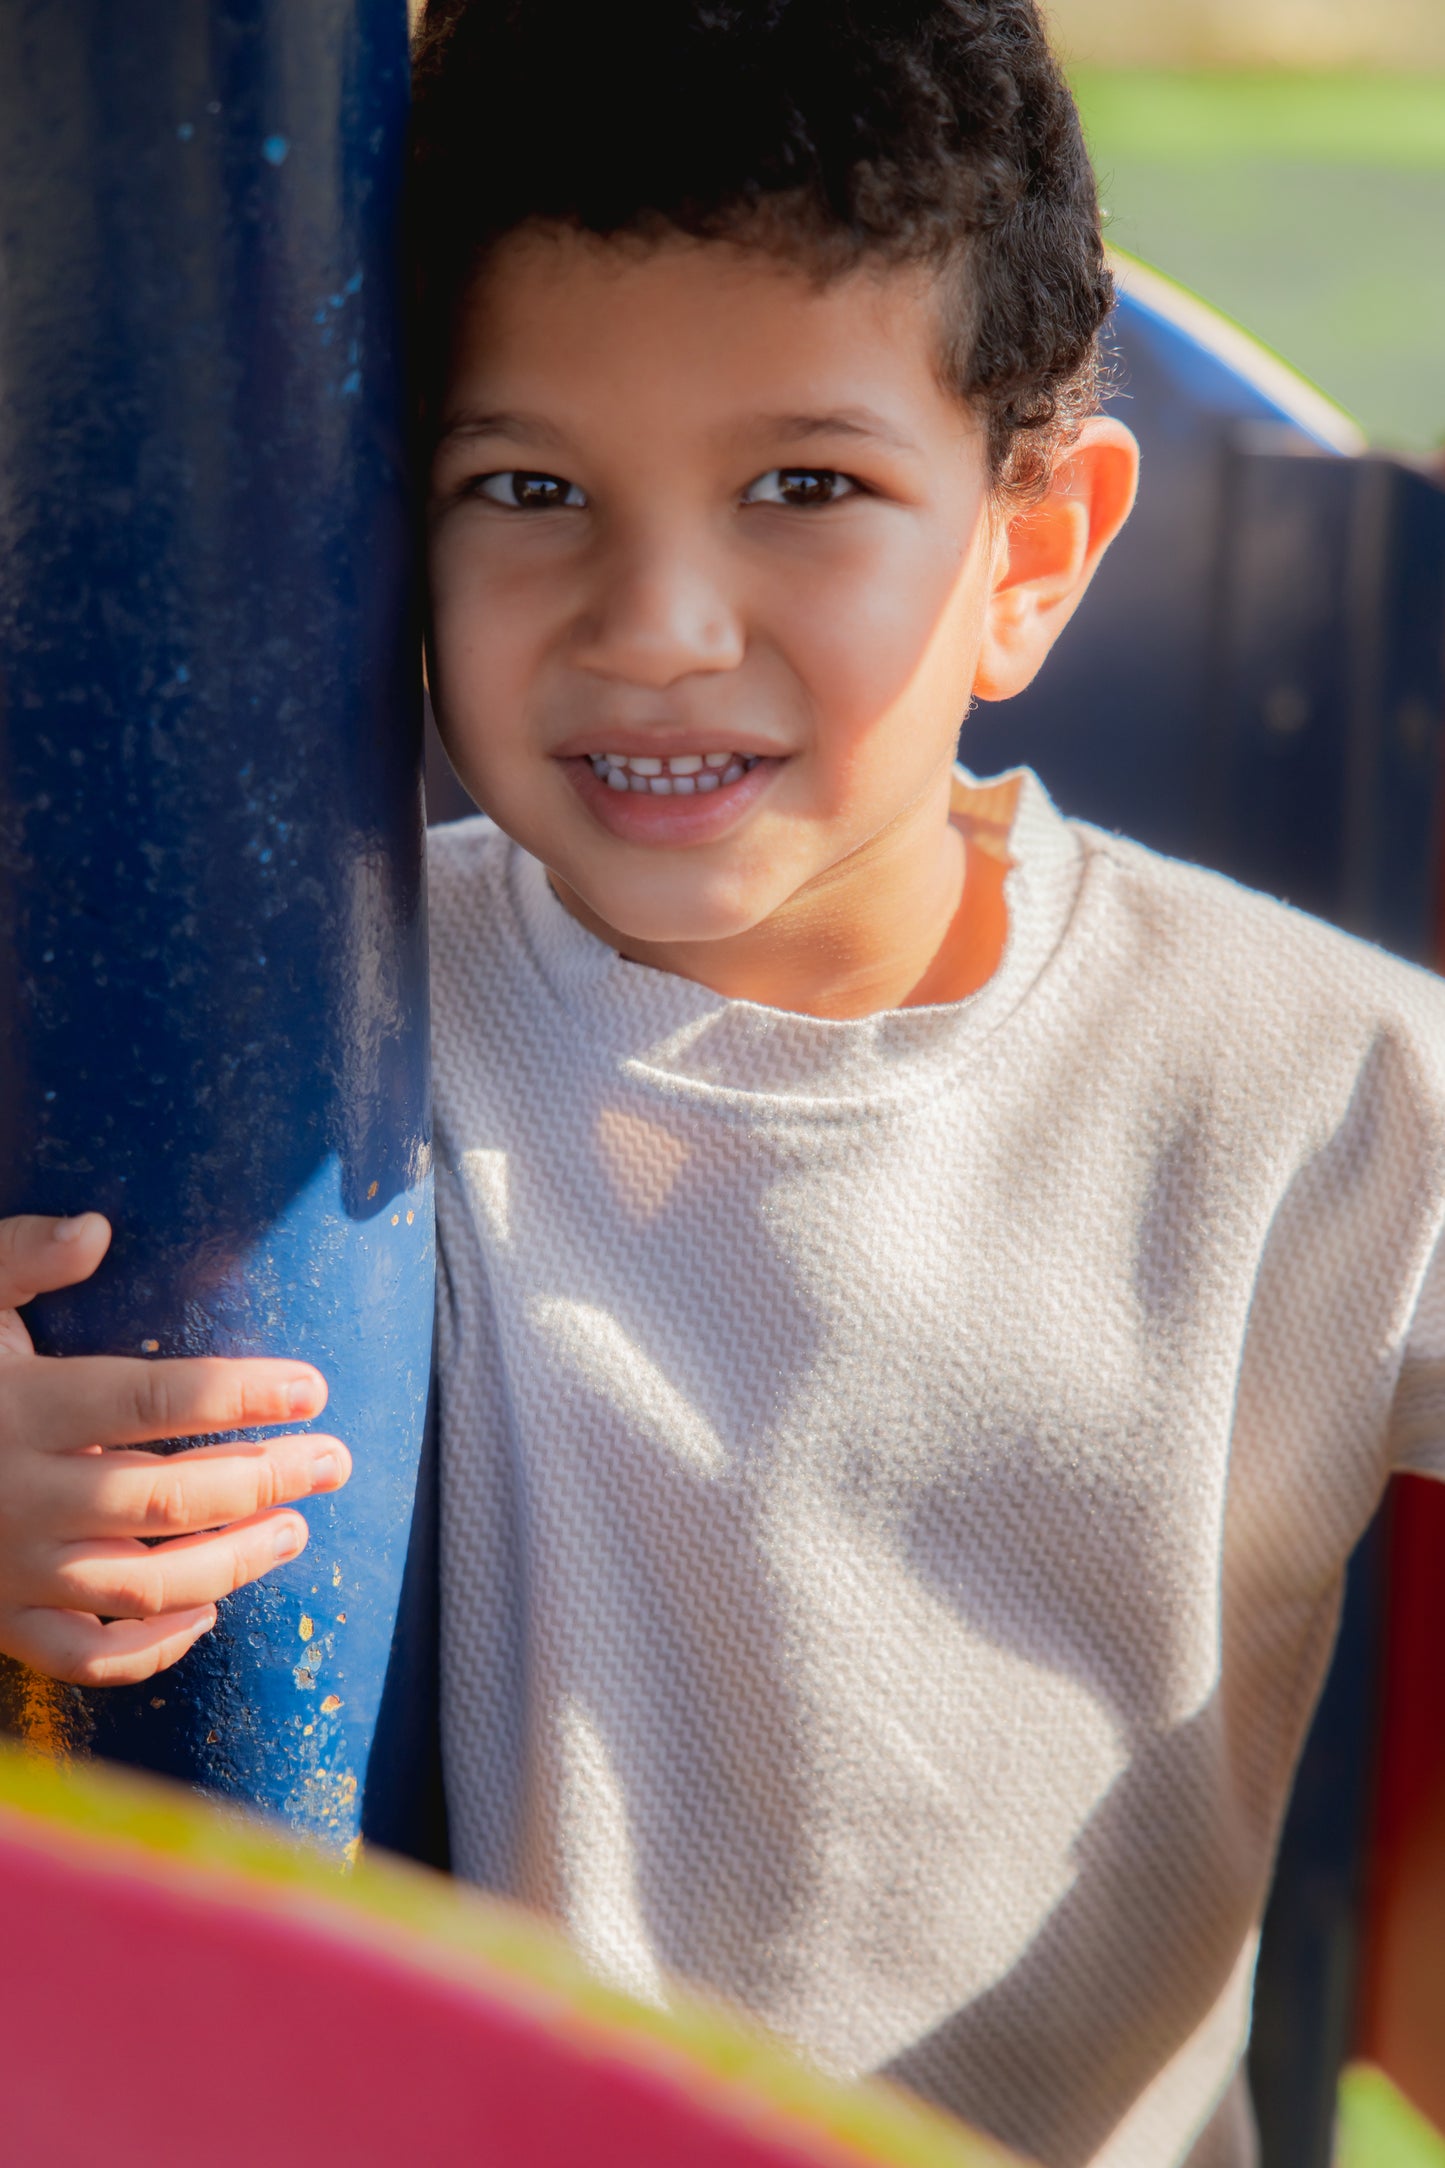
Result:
[178,1986]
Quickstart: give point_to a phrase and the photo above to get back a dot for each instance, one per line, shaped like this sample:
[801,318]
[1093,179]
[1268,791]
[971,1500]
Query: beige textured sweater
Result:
[897,1474]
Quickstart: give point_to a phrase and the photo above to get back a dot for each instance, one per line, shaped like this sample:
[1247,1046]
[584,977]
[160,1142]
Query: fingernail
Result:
[327,1472]
[206,1622]
[287,1540]
[71,1230]
[301,1396]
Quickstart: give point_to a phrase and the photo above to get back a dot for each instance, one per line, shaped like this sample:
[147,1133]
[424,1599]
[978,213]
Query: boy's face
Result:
[694,509]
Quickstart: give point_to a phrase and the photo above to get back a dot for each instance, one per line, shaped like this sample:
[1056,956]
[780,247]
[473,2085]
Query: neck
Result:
[914,916]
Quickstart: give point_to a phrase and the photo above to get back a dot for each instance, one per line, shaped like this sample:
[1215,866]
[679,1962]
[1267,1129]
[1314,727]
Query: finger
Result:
[86,1651]
[60,1404]
[120,1579]
[37,1255]
[129,1493]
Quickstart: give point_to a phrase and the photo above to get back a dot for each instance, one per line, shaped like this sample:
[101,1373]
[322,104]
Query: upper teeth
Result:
[671,774]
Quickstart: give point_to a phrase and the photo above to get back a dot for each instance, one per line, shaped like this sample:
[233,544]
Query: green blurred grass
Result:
[1309,208]
[1379,2129]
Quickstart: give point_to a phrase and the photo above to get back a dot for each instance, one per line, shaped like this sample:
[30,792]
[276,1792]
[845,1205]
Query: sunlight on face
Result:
[696,511]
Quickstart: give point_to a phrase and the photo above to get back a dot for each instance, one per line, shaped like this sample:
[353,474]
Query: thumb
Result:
[38,1254]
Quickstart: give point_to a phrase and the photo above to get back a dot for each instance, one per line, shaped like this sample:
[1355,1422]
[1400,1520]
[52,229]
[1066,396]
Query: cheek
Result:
[483,641]
[887,631]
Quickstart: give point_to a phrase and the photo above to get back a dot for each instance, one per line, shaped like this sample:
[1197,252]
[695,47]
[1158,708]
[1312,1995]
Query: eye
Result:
[799,487]
[522,492]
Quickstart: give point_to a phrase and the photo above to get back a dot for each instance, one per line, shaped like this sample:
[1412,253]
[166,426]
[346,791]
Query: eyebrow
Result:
[859,422]
[502,425]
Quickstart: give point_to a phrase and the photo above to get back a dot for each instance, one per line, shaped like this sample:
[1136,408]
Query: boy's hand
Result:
[81,1597]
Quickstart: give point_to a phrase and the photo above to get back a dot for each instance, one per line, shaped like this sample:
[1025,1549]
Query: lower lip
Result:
[636,816]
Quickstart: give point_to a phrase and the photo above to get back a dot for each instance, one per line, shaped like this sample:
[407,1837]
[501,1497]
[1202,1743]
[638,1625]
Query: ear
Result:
[1046,554]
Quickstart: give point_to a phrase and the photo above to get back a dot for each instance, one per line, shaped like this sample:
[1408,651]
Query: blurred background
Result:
[1286,160]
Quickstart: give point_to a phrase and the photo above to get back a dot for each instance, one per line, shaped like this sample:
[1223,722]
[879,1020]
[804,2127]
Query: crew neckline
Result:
[688,1039]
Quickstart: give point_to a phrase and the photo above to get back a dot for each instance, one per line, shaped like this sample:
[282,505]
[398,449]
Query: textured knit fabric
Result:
[897,1474]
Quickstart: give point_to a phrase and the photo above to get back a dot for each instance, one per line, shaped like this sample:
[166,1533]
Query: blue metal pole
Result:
[212,935]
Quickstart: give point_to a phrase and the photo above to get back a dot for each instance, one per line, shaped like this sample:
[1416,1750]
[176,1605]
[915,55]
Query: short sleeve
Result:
[1417,1418]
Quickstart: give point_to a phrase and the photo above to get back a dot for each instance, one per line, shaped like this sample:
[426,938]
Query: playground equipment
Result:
[212,935]
[380,2018]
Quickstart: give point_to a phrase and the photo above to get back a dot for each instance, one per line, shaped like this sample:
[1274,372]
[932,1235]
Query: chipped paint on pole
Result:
[212,932]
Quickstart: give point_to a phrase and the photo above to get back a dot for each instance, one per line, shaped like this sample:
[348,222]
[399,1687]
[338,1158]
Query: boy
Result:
[931,1293]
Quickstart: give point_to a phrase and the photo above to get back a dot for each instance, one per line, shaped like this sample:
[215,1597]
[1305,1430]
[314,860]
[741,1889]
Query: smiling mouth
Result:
[671,775]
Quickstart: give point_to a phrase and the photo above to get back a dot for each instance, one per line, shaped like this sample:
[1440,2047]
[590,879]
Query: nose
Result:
[659,611]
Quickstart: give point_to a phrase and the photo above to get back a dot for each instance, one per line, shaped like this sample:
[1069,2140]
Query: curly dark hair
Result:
[931,131]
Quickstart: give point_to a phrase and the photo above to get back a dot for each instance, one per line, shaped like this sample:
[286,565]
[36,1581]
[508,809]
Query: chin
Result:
[653,916]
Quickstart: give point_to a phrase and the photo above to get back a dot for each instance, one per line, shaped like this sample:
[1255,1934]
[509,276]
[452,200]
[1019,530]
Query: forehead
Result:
[679,330]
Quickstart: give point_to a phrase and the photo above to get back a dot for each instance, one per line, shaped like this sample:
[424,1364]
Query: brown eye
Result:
[801,488]
[523,492]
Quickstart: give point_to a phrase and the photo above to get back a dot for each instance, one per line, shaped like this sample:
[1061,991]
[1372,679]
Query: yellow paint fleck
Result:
[305,1677]
[306,1730]
[336,1576]
[351,1851]
[372,1191]
[158,1701]
[150,1347]
[396,1219]
[324,1805]
[410,1217]
[50,1720]
[332,1702]
[341,1618]
[307,1627]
